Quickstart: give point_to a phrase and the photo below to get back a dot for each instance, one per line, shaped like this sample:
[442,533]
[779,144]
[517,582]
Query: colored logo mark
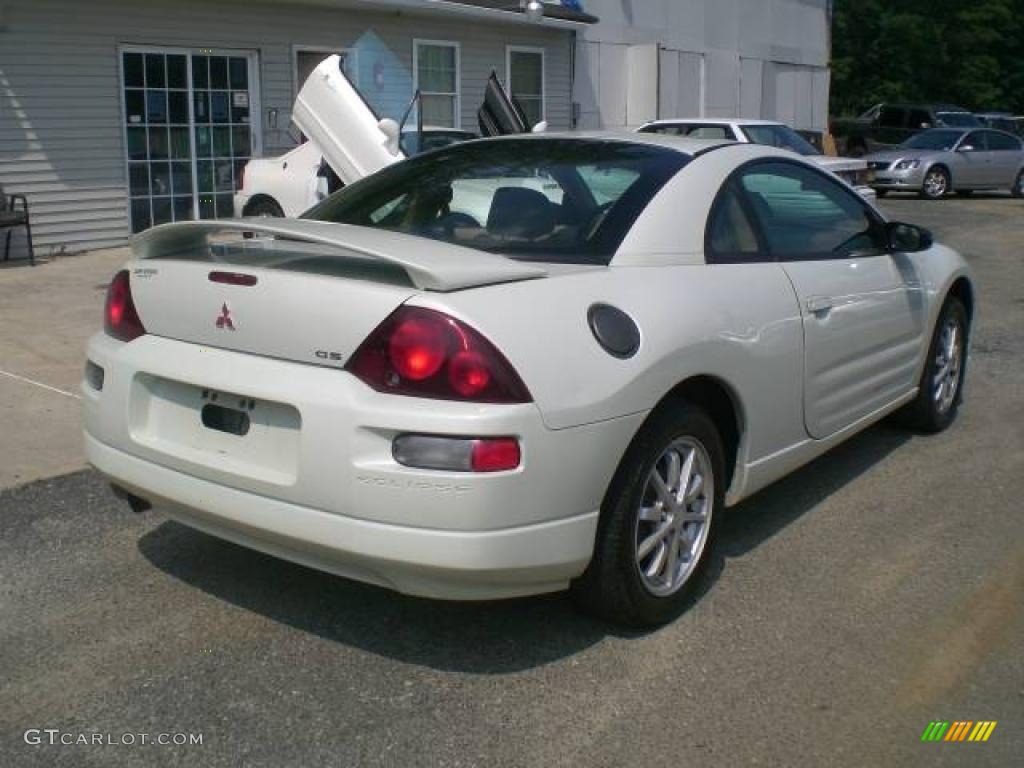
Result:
[958,730]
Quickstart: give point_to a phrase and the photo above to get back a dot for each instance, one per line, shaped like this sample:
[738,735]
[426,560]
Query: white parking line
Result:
[39,384]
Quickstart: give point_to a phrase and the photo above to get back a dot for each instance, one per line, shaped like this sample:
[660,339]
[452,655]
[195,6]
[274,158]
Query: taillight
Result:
[121,320]
[424,353]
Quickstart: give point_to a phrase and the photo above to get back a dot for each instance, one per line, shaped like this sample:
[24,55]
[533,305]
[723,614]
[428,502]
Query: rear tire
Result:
[941,385]
[656,534]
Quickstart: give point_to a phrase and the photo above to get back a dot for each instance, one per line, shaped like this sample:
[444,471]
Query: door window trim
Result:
[764,254]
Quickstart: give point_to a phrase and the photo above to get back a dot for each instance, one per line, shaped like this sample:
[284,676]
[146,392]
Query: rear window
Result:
[551,200]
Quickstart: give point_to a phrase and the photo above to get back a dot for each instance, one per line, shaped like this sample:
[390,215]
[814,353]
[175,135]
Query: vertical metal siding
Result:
[61,139]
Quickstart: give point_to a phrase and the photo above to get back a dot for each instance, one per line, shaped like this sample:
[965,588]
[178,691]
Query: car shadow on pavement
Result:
[763,515]
[481,637]
[475,637]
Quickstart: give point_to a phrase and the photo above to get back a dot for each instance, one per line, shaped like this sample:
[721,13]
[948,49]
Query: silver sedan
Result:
[943,160]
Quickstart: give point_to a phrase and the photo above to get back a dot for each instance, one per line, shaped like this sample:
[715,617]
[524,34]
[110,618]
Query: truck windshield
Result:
[939,140]
[568,201]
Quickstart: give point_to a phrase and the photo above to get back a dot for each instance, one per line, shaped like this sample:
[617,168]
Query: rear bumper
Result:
[450,565]
[334,498]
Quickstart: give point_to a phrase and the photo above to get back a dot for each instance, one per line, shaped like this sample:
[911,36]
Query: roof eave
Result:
[556,16]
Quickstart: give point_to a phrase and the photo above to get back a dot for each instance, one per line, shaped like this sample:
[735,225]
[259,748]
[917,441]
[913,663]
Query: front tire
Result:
[936,183]
[941,385]
[880,193]
[658,521]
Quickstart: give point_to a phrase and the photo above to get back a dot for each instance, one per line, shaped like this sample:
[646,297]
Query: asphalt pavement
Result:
[870,593]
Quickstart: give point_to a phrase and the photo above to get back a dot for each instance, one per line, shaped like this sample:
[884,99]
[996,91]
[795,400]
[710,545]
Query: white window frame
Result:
[416,43]
[348,53]
[509,50]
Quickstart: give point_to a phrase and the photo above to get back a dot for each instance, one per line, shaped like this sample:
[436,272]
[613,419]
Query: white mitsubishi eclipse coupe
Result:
[520,365]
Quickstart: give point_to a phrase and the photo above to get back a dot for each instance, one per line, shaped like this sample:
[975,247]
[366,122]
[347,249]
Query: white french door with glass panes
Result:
[189,131]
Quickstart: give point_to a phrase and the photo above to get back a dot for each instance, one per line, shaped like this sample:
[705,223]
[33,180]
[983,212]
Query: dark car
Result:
[885,126]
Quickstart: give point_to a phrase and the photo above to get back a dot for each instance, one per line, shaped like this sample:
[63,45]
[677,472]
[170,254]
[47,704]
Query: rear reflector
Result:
[457,454]
[233,278]
[495,455]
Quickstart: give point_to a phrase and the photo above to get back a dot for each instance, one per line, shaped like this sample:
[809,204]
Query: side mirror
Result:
[965,148]
[906,238]
[926,126]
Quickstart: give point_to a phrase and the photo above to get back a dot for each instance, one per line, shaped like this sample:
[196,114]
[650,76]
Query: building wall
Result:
[61,129]
[717,58]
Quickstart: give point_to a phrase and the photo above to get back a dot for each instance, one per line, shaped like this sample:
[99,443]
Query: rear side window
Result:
[804,214]
[731,236]
[690,130]
[709,132]
[1002,142]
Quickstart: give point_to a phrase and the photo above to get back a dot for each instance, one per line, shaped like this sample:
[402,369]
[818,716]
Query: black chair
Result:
[11,219]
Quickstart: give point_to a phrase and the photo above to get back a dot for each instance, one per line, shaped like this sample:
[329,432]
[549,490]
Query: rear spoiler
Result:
[431,265]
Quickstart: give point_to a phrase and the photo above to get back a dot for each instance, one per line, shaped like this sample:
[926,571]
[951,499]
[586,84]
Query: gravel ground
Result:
[871,592]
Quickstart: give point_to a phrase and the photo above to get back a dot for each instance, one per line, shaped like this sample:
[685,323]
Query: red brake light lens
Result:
[495,455]
[121,320]
[418,347]
[424,353]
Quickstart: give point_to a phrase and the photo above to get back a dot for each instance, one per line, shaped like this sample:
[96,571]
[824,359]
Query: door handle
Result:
[816,305]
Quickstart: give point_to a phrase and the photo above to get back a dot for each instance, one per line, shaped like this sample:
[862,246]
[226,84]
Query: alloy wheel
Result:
[948,360]
[675,516]
[935,183]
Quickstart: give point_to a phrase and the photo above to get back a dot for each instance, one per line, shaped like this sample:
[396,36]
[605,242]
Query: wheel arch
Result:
[260,197]
[963,289]
[945,167]
[722,403]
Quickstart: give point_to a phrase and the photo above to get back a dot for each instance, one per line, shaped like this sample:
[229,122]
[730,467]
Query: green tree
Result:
[967,52]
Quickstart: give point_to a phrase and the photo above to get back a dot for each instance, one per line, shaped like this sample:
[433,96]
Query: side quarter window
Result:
[731,237]
[805,215]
